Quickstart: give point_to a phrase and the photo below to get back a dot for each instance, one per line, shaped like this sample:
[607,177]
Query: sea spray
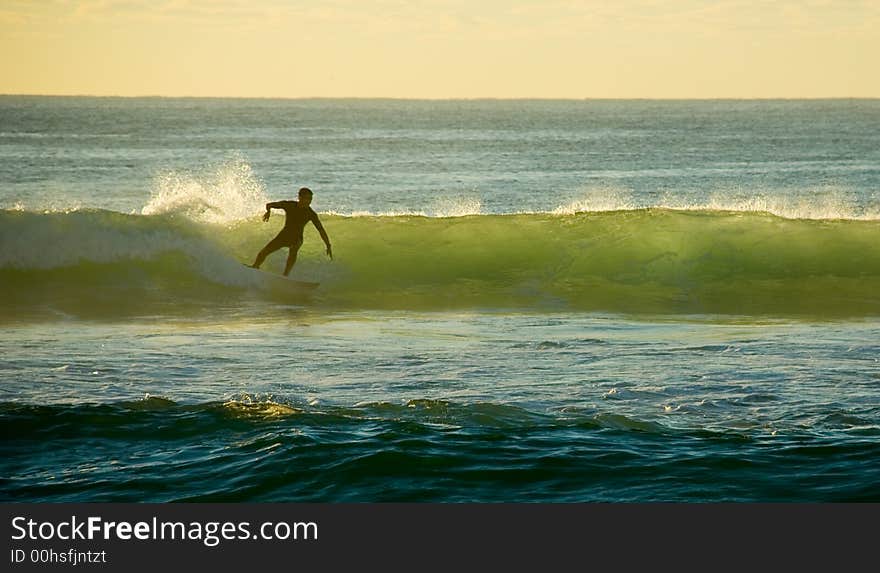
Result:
[224,194]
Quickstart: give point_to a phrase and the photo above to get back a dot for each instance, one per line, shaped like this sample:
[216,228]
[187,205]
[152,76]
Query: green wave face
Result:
[641,261]
[651,261]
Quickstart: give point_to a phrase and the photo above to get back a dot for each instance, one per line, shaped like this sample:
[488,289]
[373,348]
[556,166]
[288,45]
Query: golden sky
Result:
[442,48]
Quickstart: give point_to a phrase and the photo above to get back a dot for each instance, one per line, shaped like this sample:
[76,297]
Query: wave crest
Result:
[821,204]
[636,261]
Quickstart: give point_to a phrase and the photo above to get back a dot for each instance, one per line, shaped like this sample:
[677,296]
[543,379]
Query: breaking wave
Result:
[631,261]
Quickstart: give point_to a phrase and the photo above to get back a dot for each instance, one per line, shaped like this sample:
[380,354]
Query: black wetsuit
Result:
[291,236]
[295,221]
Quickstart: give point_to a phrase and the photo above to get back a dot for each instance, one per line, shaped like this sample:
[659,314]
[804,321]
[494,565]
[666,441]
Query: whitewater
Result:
[528,301]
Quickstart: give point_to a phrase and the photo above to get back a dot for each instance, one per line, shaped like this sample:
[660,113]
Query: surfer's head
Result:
[305,196]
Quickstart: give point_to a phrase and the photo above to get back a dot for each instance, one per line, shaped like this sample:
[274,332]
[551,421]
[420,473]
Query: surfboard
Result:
[303,286]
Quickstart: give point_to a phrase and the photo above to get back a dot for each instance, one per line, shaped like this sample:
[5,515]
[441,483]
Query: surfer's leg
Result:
[291,257]
[270,248]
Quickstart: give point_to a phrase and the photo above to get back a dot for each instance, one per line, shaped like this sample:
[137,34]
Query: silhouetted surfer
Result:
[298,214]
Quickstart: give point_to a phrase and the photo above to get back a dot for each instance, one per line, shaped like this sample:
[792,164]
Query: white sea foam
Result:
[599,199]
[823,204]
[826,203]
[228,193]
[67,239]
[456,207]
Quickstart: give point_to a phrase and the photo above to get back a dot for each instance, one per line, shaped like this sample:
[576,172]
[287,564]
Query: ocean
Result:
[529,301]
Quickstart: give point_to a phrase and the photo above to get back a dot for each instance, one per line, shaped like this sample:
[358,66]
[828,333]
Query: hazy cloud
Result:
[559,46]
[465,15]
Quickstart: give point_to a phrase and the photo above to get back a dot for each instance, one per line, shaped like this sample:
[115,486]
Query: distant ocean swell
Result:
[631,261]
[425,450]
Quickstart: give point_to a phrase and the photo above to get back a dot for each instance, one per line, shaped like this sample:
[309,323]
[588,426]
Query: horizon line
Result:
[475,98]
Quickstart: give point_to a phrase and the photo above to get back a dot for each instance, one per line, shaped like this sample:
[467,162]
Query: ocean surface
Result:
[555,301]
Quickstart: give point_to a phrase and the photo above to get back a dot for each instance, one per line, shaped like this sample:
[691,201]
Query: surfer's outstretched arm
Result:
[269,207]
[276,205]
[317,223]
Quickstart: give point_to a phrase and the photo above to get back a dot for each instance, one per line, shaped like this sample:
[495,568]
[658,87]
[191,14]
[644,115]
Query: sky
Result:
[442,48]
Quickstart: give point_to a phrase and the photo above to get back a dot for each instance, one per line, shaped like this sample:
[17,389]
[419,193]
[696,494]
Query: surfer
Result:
[297,215]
